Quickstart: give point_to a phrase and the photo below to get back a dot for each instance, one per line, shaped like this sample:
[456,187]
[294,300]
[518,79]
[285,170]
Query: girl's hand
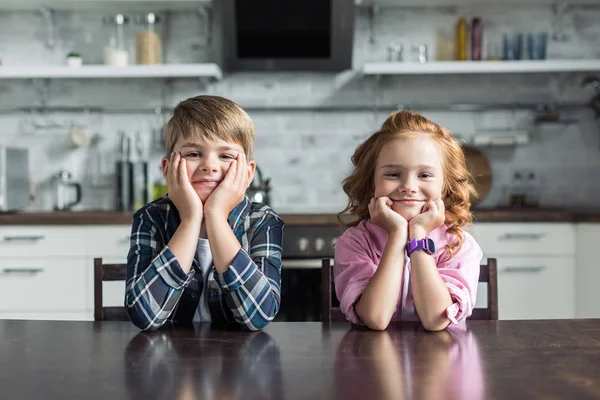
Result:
[433,215]
[380,210]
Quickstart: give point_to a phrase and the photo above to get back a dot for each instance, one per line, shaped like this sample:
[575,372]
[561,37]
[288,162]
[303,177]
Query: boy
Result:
[205,252]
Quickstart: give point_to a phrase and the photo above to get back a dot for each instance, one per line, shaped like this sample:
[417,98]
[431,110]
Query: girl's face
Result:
[409,171]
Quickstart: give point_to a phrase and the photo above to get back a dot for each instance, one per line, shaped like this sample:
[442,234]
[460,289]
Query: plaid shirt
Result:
[247,293]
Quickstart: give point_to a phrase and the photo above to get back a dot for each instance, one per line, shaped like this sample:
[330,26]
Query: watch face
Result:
[430,245]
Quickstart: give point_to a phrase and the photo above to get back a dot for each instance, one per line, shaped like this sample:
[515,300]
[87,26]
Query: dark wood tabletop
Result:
[557,359]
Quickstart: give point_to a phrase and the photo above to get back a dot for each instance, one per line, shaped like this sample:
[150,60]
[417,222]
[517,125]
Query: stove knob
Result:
[303,244]
[319,244]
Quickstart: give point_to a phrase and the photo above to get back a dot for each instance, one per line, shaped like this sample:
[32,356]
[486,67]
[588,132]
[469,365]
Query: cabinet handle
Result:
[31,238]
[28,271]
[538,268]
[522,236]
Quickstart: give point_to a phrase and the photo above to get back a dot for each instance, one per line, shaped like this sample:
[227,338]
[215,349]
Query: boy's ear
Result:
[251,169]
[164,163]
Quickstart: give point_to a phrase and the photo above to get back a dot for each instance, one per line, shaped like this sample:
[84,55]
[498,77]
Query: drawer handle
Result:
[539,268]
[23,238]
[28,271]
[522,236]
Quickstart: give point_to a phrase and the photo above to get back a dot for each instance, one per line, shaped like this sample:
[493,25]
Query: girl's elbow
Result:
[378,325]
[377,322]
[435,325]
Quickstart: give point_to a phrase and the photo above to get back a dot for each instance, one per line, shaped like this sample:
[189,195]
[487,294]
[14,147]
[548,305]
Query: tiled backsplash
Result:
[307,153]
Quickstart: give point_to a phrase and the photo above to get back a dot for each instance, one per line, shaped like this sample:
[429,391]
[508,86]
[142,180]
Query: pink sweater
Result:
[358,253]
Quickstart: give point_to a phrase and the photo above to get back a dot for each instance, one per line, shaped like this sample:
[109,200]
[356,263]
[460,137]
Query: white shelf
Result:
[209,70]
[480,67]
[107,5]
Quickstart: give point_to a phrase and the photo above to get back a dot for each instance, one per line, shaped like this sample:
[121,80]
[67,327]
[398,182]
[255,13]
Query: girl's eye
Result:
[426,175]
[392,174]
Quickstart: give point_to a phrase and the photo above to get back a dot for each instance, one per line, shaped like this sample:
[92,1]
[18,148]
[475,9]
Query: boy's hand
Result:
[383,215]
[230,191]
[433,215]
[181,192]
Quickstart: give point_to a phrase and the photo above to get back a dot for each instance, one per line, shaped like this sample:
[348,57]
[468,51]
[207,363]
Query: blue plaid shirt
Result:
[247,293]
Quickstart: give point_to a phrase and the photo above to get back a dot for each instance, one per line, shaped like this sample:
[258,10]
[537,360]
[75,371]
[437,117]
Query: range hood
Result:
[285,35]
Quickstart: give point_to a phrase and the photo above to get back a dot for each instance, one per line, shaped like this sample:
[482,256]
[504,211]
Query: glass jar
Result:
[116,51]
[147,40]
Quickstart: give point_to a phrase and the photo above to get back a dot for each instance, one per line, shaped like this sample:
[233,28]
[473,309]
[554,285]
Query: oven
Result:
[304,246]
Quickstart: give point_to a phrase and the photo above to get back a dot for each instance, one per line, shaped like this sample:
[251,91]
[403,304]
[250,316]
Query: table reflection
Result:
[201,364]
[409,363]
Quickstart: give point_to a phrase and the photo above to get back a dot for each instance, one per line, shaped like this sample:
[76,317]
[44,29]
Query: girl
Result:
[406,256]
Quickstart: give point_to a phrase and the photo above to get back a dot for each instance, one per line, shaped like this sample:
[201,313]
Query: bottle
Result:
[148,40]
[461,39]
[476,39]
[115,51]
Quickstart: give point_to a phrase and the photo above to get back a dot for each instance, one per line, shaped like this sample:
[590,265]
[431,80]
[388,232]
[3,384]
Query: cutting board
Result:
[479,167]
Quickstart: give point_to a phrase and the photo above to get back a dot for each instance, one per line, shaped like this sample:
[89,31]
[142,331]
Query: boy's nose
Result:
[210,164]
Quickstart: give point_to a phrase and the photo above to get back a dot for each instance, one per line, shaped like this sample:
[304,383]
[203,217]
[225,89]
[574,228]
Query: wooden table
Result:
[485,360]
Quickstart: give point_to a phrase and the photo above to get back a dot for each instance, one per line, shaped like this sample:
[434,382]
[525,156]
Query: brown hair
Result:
[457,188]
[212,118]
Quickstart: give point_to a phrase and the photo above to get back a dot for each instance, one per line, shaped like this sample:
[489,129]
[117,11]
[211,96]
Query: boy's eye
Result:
[193,154]
[228,156]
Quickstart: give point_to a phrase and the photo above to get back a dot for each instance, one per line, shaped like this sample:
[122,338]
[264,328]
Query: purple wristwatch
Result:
[422,244]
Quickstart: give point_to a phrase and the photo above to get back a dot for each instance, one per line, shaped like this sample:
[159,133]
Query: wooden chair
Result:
[107,272]
[328,312]
[487,274]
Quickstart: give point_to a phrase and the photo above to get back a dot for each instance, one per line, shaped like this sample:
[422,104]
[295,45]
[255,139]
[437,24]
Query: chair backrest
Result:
[107,272]
[328,312]
[487,274]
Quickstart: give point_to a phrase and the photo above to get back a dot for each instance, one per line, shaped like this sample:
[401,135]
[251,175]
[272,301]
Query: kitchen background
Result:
[308,123]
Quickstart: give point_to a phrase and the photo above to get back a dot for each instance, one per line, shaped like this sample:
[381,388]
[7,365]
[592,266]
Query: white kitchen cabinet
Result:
[43,273]
[43,286]
[530,239]
[587,280]
[41,241]
[536,287]
[536,268]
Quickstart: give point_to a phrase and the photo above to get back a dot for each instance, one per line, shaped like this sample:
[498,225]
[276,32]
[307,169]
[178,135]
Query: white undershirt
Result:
[205,260]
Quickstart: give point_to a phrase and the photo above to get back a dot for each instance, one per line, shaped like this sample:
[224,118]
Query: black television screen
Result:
[283,29]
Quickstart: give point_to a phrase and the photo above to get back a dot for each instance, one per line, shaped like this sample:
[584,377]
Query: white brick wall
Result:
[307,153]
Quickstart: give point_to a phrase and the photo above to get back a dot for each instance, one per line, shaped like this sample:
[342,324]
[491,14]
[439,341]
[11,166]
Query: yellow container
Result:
[460,45]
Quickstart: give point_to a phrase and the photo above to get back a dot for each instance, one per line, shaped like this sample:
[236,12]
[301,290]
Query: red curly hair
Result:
[458,183]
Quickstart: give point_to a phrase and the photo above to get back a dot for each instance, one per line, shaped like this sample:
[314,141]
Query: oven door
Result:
[300,290]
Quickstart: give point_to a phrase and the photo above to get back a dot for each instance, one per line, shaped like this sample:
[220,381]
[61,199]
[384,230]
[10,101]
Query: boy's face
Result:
[409,171]
[207,163]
